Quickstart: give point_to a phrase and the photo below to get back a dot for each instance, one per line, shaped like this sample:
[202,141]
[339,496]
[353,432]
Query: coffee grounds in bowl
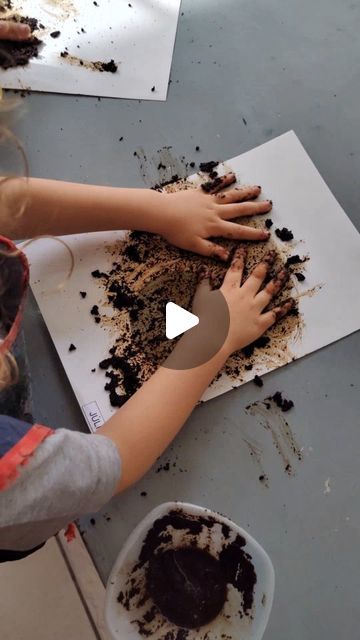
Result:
[187,585]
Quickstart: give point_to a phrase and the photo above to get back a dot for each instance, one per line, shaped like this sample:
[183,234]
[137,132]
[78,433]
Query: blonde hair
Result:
[13,207]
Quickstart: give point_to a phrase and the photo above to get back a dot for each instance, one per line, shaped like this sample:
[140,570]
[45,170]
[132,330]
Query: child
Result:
[49,478]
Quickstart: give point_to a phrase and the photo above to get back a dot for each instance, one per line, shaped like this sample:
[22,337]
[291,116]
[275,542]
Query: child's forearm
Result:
[144,427]
[53,207]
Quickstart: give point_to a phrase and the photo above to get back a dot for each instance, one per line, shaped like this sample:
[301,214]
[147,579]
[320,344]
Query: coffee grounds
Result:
[72,347]
[209,186]
[5,6]
[258,381]
[187,585]
[294,260]
[299,276]
[208,167]
[110,67]
[260,343]
[83,294]
[282,403]
[284,234]
[268,223]
[19,53]
[55,34]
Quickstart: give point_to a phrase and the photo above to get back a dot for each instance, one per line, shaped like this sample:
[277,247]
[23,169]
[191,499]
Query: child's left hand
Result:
[187,219]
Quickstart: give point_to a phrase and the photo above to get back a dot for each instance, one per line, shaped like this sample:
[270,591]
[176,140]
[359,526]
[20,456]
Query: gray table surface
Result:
[279,66]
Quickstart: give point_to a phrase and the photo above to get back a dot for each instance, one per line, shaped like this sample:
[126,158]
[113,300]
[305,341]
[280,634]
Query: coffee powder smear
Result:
[187,573]
[146,272]
[16,53]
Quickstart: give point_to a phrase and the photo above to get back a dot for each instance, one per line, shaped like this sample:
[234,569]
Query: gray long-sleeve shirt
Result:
[68,475]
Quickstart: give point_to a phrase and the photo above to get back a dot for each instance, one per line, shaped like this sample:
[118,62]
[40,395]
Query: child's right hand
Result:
[247,302]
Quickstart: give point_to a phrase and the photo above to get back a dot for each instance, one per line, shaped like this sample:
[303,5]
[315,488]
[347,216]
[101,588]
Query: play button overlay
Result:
[177,323]
[178,320]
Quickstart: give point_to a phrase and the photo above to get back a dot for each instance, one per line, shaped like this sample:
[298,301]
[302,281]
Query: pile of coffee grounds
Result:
[284,234]
[294,260]
[282,403]
[187,585]
[18,54]
[208,167]
[183,583]
[145,273]
[109,67]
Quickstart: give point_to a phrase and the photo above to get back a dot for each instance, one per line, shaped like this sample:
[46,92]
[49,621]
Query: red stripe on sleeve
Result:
[20,454]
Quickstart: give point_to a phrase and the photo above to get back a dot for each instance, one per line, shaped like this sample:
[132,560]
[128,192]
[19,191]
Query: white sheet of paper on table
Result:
[138,35]
[302,201]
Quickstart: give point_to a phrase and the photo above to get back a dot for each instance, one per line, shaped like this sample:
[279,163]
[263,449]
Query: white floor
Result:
[39,600]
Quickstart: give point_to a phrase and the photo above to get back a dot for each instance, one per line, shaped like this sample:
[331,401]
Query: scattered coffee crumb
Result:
[300,277]
[143,494]
[208,167]
[72,347]
[92,521]
[83,294]
[109,67]
[64,54]
[94,310]
[93,370]
[153,89]
[192,164]
[161,166]
[55,34]
[284,234]
[258,381]
[268,223]
[282,403]
[197,148]
[244,121]
[248,367]
[294,260]
[121,138]
[95,3]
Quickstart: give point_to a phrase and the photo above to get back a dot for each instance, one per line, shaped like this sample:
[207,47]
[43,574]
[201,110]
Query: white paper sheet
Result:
[302,202]
[139,38]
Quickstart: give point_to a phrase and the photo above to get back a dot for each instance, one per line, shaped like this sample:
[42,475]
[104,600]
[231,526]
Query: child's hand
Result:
[247,302]
[14,30]
[190,218]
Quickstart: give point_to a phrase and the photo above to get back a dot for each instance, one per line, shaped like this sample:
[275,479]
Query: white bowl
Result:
[229,624]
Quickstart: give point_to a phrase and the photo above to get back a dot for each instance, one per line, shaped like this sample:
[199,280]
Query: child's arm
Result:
[150,420]
[186,218]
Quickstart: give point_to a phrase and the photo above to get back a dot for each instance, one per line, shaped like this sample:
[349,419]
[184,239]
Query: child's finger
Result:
[273,287]
[241,232]
[270,317]
[234,274]
[213,186]
[258,275]
[239,194]
[228,211]
[211,249]
[14,30]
